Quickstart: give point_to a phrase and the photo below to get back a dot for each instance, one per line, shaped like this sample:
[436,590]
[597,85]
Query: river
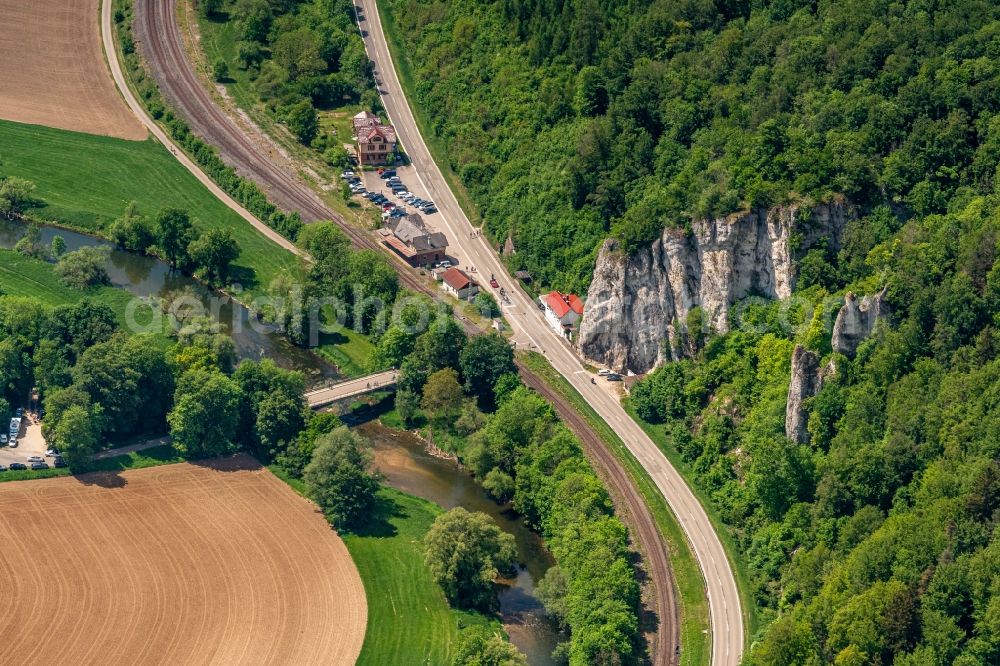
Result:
[407,466]
[146,277]
[400,456]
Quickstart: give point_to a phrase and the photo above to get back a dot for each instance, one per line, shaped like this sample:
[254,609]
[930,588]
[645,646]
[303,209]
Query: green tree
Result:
[480,646]
[302,120]
[76,437]
[220,70]
[30,245]
[174,232]
[340,477]
[484,360]
[16,197]
[132,231]
[466,552]
[442,397]
[212,253]
[57,247]
[84,267]
[205,416]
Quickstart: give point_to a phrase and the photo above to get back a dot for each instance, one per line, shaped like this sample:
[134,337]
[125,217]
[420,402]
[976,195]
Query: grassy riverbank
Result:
[85,181]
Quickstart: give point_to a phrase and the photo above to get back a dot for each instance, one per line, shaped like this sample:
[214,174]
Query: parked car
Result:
[19,412]
[430,210]
[388,173]
[35,459]
[613,377]
[3,440]
[603,372]
[12,442]
[3,468]
[39,465]
[52,452]
[347,174]
[14,466]
[58,462]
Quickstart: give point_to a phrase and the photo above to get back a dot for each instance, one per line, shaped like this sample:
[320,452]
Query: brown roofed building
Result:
[376,142]
[456,282]
[411,239]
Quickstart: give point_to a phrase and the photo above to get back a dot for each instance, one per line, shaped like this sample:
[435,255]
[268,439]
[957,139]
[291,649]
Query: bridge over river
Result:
[379,381]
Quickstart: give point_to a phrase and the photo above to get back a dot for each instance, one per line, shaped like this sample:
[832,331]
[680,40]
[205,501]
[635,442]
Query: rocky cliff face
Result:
[636,304]
[855,321]
[807,380]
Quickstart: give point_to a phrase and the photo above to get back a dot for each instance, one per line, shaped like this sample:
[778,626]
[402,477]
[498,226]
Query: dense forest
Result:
[300,57]
[875,542]
[572,119]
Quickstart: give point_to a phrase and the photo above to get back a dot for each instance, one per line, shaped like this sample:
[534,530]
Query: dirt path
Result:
[52,70]
[218,562]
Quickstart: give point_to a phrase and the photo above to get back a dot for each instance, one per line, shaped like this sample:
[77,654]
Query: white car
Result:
[12,442]
[35,459]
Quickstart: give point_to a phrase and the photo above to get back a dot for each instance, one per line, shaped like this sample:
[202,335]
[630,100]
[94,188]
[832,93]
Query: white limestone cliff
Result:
[636,304]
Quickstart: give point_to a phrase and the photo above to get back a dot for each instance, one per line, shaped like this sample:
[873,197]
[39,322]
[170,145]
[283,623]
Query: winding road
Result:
[527,321]
[161,43]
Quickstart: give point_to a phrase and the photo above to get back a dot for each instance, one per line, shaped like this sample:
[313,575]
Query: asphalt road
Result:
[529,324]
[160,42]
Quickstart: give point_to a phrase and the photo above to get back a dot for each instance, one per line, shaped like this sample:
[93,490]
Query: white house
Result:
[562,311]
[458,284]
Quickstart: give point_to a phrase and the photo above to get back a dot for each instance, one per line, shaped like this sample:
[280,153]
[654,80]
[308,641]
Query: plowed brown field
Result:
[52,69]
[182,564]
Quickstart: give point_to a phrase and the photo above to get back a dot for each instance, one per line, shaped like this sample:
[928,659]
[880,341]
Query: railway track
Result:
[161,43]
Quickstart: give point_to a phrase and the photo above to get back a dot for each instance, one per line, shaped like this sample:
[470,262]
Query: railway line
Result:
[160,41]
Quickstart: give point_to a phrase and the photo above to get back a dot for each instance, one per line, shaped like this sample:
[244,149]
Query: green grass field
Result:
[695,646]
[23,276]
[348,350]
[409,620]
[85,182]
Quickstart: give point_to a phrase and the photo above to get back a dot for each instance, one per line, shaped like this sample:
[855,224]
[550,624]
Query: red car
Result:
[494,283]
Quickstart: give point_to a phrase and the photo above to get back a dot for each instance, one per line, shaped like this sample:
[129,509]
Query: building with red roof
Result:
[562,311]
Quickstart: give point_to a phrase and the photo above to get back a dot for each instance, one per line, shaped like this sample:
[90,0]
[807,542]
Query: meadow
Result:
[85,181]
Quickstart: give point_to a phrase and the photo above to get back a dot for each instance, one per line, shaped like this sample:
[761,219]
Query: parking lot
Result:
[29,443]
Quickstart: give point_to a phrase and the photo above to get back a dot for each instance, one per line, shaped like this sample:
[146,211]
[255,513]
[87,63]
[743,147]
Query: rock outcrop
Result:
[637,304]
[855,321]
[807,380]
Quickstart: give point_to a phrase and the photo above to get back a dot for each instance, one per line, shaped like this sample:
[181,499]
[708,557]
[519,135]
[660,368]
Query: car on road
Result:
[494,283]
[35,459]
[14,466]
[39,465]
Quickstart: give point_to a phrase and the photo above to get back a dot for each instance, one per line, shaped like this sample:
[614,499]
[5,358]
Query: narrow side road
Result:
[528,323]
